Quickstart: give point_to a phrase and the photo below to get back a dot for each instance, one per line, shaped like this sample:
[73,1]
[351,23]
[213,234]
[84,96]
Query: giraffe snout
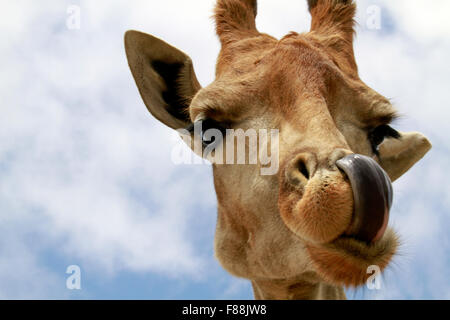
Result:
[345,194]
[315,197]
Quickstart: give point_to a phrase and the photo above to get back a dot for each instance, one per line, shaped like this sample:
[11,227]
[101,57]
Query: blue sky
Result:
[85,171]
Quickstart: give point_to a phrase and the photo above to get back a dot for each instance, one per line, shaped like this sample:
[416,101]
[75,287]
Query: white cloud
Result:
[22,275]
[421,19]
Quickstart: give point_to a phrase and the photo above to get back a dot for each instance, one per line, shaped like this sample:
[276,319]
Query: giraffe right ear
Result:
[164,76]
[398,155]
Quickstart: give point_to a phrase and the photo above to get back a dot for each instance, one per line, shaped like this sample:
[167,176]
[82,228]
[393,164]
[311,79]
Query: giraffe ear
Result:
[164,76]
[398,155]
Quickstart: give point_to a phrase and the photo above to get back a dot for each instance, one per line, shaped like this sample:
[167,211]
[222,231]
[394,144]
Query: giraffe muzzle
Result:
[372,195]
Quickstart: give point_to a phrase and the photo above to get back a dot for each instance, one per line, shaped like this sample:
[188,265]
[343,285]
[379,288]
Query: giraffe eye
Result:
[377,136]
[210,131]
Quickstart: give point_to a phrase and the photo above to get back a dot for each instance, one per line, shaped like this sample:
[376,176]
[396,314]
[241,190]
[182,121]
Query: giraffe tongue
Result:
[372,193]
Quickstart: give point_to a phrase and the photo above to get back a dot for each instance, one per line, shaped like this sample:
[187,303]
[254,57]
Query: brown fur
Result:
[285,232]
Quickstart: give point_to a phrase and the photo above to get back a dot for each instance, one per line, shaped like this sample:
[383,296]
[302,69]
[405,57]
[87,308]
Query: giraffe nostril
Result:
[301,169]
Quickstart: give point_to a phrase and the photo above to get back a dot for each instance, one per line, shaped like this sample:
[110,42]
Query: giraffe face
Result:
[324,211]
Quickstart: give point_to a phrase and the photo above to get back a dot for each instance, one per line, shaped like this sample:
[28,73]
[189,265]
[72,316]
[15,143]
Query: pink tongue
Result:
[380,232]
[372,193]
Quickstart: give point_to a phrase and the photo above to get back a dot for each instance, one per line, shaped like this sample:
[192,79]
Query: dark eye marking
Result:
[376,136]
[205,125]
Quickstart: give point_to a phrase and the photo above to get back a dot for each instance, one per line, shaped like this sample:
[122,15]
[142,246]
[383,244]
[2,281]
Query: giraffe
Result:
[319,223]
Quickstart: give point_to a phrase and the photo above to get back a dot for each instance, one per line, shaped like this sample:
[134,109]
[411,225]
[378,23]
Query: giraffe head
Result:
[323,212]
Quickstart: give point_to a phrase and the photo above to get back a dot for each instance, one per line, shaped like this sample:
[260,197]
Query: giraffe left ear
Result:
[398,155]
[164,76]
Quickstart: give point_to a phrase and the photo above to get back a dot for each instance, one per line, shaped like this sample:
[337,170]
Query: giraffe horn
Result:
[235,20]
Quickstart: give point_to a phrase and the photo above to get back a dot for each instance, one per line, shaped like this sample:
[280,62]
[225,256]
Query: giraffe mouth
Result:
[342,216]
[367,242]
[350,262]
[352,202]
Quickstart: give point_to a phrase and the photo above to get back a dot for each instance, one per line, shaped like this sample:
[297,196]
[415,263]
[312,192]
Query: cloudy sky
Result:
[85,171]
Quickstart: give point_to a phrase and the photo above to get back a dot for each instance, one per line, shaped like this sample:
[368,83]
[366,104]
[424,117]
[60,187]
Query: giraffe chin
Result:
[346,260]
